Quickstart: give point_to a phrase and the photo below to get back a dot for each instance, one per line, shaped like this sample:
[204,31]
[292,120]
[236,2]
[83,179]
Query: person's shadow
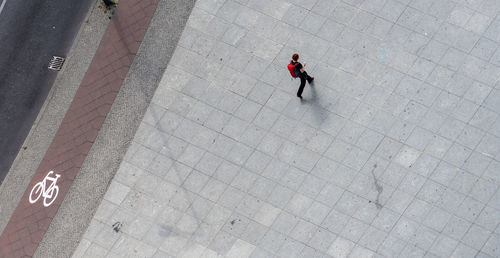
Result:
[314,94]
[320,114]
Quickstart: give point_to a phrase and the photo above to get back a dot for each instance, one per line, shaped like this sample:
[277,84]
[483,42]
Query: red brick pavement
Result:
[81,124]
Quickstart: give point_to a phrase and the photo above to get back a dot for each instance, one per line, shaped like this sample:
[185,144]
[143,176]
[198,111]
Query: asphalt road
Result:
[31,32]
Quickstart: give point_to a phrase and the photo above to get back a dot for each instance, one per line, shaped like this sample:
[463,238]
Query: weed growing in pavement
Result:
[108,6]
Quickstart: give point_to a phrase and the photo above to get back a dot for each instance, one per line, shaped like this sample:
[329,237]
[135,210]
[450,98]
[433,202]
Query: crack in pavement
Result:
[378,187]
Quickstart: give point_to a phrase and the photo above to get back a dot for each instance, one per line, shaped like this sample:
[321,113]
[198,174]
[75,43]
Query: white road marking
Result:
[49,192]
[2,5]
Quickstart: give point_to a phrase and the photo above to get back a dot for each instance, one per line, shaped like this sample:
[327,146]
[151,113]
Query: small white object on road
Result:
[2,5]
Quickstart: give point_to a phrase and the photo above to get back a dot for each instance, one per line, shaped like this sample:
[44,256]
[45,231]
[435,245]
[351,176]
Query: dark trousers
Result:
[303,78]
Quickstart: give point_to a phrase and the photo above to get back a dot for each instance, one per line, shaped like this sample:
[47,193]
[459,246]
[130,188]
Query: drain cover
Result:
[56,63]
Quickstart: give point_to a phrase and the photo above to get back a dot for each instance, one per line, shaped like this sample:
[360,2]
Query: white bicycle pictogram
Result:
[49,193]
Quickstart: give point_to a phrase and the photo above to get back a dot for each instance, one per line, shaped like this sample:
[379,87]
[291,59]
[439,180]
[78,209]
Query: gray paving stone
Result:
[476,237]
[388,148]
[236,224]
[463,182]
[222,242]
[331,222]
[291,248]
[489,145]
[386,220]
[487,75]
[463,250]
[127,245]
[444,246]
[317,213]
[341,247]
[436,219]
[137,228]
[392,153]
[116,193]
[249,206]
[391,246]
[142,204]
[329,194]
[354,230]
[367,212]
[304,231]
[272,241]
[260,253]
[412,251]
[434,51]
[204,234]
[95,251]
[465,110]
[105,210]
[254,232]
[453,59]
[262,188]
[491,246]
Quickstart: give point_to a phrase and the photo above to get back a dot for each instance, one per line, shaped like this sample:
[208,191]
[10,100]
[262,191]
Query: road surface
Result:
[31,32]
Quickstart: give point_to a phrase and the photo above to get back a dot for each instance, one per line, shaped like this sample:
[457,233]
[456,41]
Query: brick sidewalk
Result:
[81,125]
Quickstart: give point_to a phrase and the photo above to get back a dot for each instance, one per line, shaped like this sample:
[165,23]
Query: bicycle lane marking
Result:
[41,190]
[80,125]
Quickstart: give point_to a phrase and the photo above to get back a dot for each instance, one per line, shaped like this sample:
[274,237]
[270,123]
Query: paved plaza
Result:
[393,152]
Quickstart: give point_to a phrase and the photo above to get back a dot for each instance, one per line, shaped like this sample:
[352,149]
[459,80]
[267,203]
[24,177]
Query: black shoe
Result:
[300,97]
[312,80]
